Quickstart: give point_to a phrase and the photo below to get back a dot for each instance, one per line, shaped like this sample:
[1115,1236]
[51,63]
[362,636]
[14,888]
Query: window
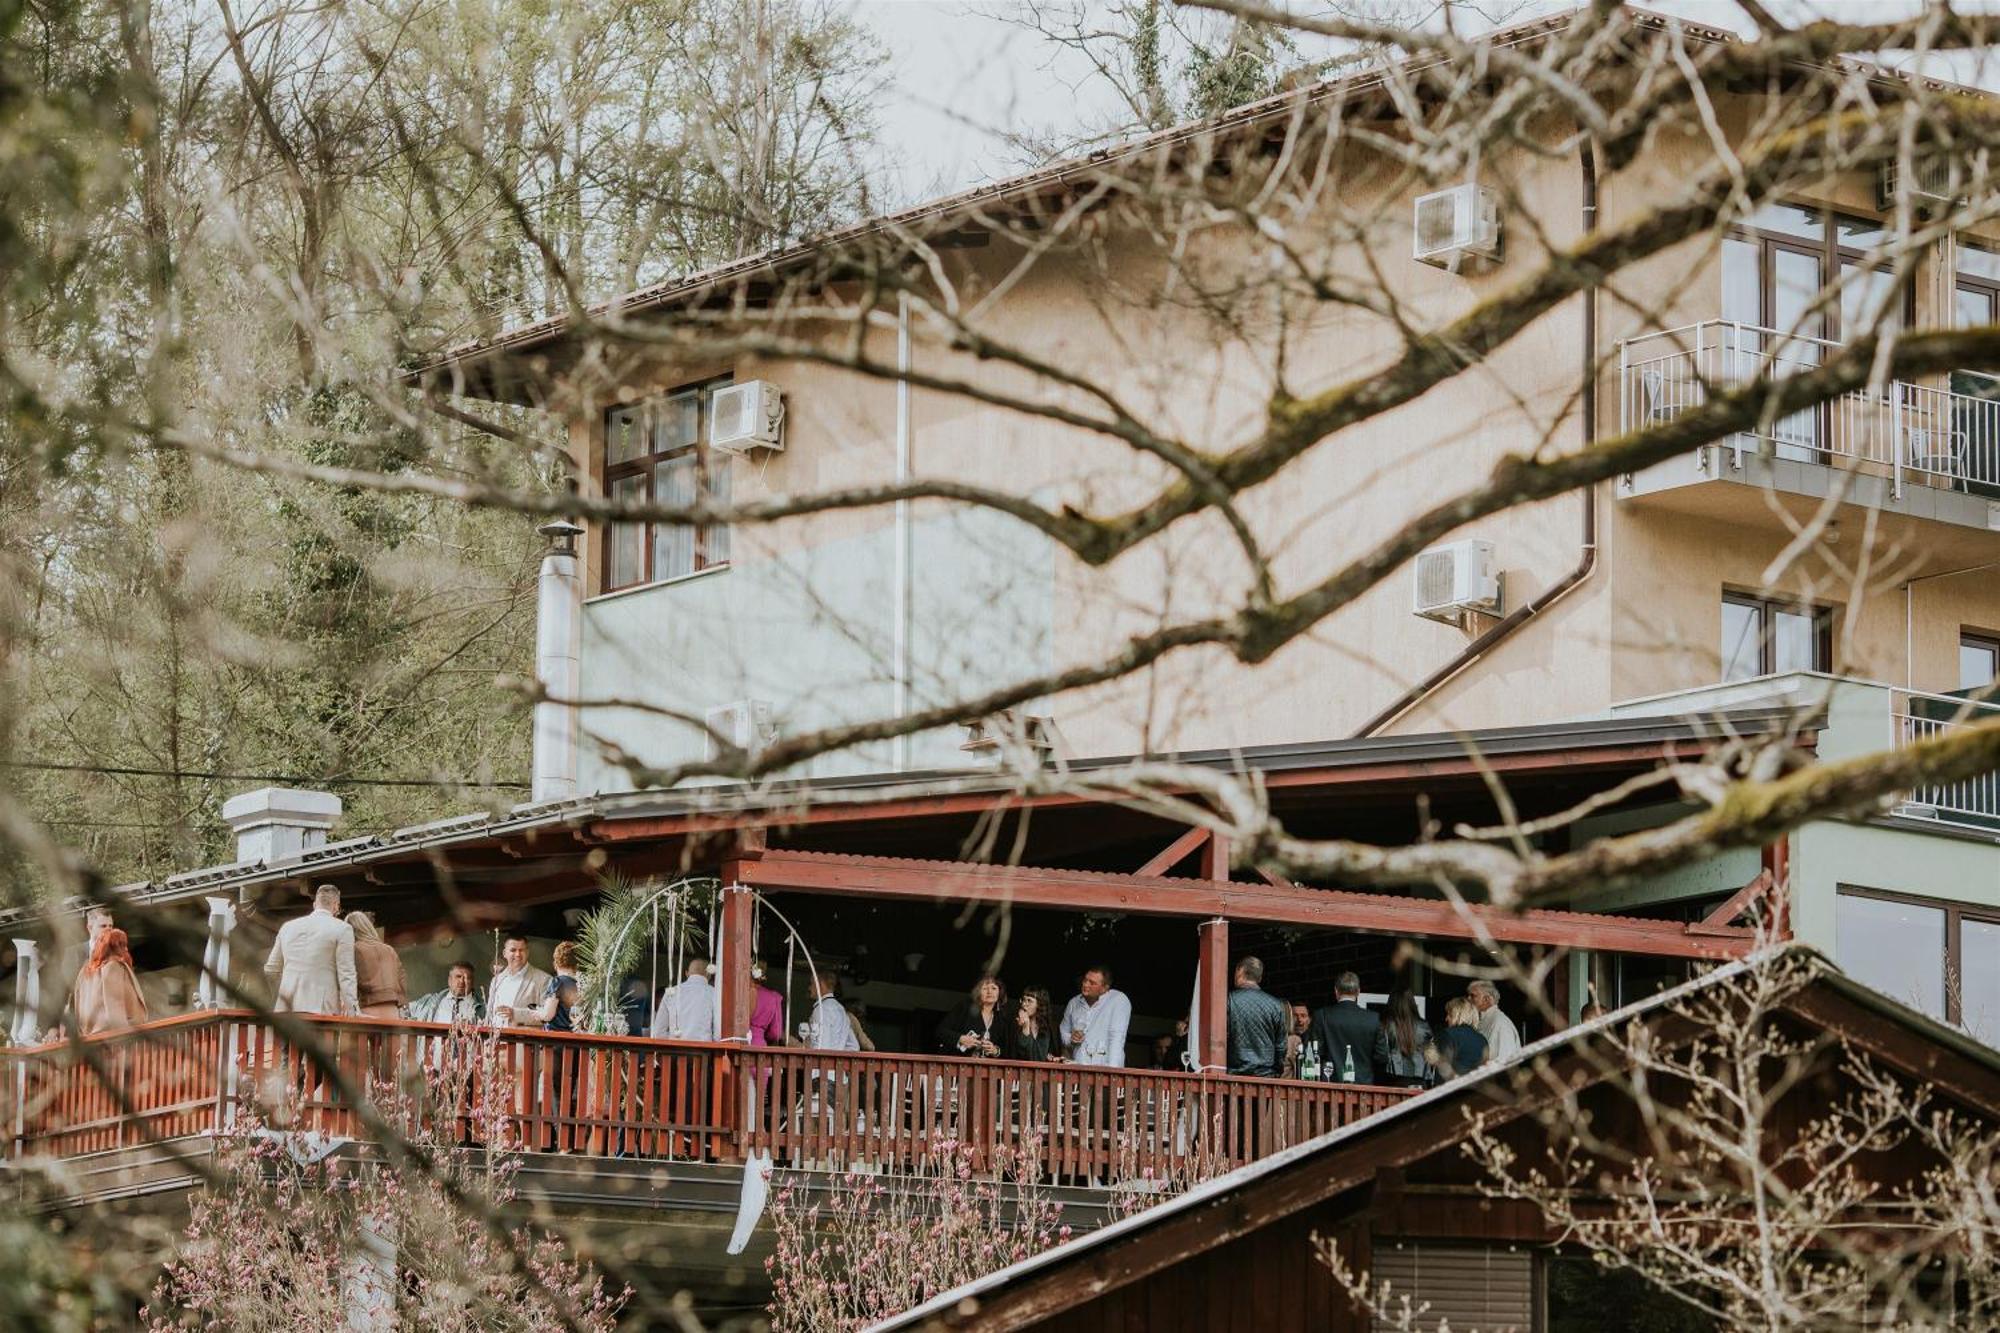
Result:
[1979,978]
[1761,636]
[1896,946]
[1977,285]
[1776,267]
[1583,1296]
[1935,956]
[1460,1285]
[1975,403]
[658,451]
[1978,660]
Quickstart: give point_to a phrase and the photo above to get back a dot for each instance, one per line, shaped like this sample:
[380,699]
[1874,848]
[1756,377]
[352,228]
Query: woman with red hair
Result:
[107,990]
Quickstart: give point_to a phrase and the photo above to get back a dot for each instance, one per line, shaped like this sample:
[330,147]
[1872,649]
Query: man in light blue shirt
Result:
[830,1029]
[1094,1022]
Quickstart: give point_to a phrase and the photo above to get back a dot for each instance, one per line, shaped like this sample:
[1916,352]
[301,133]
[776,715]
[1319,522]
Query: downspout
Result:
[901,665]
[1586,501]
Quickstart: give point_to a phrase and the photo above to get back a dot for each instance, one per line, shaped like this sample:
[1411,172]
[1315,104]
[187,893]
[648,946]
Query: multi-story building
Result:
[1821,581]
[1851,542]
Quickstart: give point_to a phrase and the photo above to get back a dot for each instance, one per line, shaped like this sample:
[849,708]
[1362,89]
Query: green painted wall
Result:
[1874,856]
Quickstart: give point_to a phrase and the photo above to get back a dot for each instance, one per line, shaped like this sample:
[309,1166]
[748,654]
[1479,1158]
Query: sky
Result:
[962,80]
[963,77]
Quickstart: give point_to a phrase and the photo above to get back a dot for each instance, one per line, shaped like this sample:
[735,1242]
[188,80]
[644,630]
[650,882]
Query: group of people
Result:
[325,963]
[1091,1029]
[106,994]
[1344,1042]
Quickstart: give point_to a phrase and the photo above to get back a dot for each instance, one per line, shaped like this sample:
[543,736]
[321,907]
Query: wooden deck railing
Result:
[630,1096]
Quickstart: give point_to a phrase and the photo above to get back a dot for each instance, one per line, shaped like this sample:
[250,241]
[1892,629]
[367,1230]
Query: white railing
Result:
[1974,802]
[1933,434]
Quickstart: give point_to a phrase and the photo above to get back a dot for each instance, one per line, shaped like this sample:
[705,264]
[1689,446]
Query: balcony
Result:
[1972,804]
[1922,451]
[1851,717]
[597,1097]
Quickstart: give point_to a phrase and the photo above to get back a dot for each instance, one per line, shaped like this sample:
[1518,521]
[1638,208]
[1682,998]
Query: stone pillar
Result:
[27,993]
[558,663]
[279,823]
[209,992]
[1213,1055]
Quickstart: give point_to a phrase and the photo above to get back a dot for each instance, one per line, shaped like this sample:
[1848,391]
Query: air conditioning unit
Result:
[986,735]
[1457,228]
[744,723]
[1456,578]
[747,416]
[1933,181]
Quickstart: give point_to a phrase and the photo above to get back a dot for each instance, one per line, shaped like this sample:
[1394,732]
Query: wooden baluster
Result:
[548,1105]
[665,1076]
[634,1065]
[638,1102]
[816,1109]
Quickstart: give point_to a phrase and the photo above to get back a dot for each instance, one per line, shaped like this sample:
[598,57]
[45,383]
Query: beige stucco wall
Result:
[1645,621]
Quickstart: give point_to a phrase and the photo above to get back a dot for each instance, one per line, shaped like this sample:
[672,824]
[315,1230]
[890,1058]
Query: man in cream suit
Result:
[518,989]
[313,959]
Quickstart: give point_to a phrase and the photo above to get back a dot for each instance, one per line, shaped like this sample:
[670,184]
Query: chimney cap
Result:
[562,534]
[281,805]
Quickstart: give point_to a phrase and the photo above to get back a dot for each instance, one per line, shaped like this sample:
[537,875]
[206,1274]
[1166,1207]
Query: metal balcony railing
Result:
[1944,434]
[1973,803]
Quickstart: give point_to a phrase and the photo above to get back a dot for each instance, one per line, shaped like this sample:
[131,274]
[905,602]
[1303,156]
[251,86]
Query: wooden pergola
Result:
[1211,900]
[904,838]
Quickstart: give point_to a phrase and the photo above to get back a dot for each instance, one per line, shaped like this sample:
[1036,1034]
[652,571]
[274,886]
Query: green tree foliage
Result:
[226,228]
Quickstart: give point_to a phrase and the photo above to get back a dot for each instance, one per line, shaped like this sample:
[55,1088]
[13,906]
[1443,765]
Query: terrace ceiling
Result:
[498,865]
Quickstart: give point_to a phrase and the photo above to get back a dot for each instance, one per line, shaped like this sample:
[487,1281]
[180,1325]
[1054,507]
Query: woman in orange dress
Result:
[107,989]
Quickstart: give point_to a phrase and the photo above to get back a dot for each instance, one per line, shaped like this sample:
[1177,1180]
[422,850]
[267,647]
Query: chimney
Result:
[558,663]
[278,823]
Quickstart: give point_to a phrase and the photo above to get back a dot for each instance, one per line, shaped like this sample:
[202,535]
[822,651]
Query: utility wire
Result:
[245,777]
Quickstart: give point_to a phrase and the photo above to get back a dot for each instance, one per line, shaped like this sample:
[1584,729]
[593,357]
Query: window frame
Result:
[711,540]
[1969,637]
[1955,916]
[1830,253]
[1984,285]
[1764,604]
[1964,280]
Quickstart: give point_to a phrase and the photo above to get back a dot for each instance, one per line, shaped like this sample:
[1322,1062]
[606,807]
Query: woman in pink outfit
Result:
[767,1010]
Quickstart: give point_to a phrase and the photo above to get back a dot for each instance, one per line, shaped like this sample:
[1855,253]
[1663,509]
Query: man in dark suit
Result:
[1345,1029]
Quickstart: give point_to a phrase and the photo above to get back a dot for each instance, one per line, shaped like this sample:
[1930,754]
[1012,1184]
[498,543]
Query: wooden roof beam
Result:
[1330,909]
[1332,777]
[1174,852]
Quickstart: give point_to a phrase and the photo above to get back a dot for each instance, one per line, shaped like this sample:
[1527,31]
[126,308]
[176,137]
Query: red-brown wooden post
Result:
[1778,864]
[1215,857]
[738,906]
[1213,936]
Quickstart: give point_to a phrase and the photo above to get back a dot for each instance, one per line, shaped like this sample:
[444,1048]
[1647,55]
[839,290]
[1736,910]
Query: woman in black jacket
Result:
[1030,1034]
[1400,1043]
[979,1025]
